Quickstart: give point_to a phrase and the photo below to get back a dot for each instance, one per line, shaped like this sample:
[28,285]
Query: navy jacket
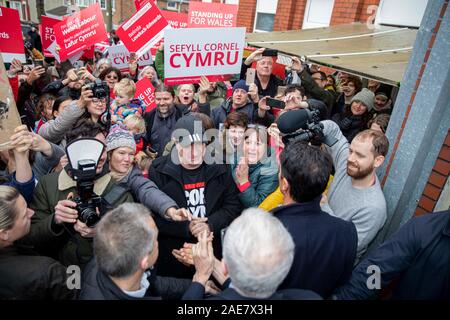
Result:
[418,255]
[197,292]
[325,247]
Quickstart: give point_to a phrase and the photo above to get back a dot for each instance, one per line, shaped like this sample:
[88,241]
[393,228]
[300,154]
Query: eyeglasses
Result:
[97,101]
[112,77]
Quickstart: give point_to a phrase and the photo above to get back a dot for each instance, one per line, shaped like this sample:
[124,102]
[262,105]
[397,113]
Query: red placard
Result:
[11,41]
[176,20]
[80,31]
[146,92]
[47,33]
[143,30]
[212,15]
[140,3]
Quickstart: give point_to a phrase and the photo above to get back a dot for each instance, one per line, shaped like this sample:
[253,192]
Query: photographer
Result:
[56,228]
[86,107]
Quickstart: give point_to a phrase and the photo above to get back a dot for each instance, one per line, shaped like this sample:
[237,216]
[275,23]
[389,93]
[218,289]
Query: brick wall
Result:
[246,14]
[436,180]
[289,15]
[348,11]
[124,10]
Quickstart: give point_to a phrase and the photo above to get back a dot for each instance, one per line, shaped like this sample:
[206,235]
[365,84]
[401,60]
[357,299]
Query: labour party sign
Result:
[143,30]
[11,41]
[47,33]
[80,31]
[212,15]
[191,53]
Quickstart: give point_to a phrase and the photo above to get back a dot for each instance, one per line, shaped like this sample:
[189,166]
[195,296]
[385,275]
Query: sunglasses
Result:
[112,77]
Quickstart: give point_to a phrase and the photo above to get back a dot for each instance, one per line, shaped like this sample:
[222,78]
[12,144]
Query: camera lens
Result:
[89,217]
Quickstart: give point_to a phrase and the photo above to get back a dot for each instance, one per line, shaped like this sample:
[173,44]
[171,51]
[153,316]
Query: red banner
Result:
[47,33]
[80,31]
[146,92]
[140,3]
[143,30]
[212,15]
[176,20]
[11,40]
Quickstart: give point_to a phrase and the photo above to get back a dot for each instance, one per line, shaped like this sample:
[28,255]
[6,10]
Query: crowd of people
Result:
[213,194]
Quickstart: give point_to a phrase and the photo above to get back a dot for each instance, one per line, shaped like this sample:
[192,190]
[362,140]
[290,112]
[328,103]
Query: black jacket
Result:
[57,88]
[418,255]
[26,275]
[325,247]
[218,115]
[197,292]
[272,87]
[96,285]
[222,207]
[350,125]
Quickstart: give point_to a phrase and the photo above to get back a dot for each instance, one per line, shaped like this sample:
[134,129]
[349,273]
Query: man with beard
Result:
[355,193]
[160,122]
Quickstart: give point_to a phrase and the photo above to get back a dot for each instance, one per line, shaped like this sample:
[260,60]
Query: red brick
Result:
[447,140]
[437,179]
[445,153]
[420,211]
[442,167]
[432,192]
[427,204]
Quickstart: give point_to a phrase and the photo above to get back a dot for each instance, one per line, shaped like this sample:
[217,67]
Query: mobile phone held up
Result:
[274,103]
[250,76]
[270,53]
[39,63]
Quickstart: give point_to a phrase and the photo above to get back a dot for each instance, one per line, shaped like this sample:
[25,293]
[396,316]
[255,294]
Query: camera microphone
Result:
[294,120]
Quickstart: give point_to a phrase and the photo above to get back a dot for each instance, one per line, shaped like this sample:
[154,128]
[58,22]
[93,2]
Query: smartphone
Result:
[270,53]
[281,90]
[274,103]
[39,63]
[250,76]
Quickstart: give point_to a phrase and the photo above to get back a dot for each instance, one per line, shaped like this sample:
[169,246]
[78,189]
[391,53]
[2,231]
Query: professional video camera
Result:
[100,89]
[83,155]
[303,125]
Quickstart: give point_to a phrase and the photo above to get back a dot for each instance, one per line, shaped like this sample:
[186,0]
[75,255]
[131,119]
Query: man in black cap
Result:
[207,190]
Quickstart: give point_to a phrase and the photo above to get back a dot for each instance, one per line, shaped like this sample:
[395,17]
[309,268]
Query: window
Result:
[265,15]
[103,4]
[232,1]
[172,5]
[18,6]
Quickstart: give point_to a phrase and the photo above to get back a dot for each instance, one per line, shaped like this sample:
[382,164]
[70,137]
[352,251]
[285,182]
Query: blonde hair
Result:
[134,121]
[125,87]
[8,212]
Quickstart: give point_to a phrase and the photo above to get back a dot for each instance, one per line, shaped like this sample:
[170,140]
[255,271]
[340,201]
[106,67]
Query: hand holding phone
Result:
[274,103]
[250,76]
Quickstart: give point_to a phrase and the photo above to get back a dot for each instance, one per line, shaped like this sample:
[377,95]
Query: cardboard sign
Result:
[176,20]
[143,30]
[9,116]
[80,31]
[191,53]
[11,40]
[212,15]
[47,33]
[146,92]
[120,57]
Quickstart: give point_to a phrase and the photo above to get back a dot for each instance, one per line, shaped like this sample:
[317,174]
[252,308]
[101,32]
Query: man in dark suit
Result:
[257,254]
[325,246]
